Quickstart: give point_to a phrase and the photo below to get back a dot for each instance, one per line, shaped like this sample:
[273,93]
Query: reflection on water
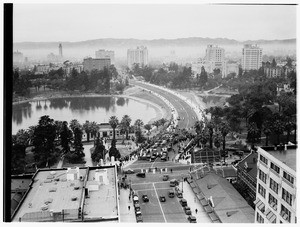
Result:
[98,109]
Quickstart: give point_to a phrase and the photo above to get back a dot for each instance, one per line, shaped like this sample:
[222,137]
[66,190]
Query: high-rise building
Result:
[90,64]
[251,57]
[60,50]
[18,57]
[106,54]
[137,56]
[276,185]
[215,56]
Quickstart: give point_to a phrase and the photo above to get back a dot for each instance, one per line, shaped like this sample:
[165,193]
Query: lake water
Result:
[98,109]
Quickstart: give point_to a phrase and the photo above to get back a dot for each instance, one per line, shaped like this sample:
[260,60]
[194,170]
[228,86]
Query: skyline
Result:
[81,21]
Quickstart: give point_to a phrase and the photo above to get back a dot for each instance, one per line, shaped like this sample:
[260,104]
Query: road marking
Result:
[159,203]
[158,182]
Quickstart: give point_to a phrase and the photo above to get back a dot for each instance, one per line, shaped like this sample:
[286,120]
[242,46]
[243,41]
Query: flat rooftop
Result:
[59,193]
[288,157]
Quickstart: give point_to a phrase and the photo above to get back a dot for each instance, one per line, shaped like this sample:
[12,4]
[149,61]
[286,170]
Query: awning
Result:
[192,185]
[208,209]
[196,190]
[260,205]
[213,216]
[270,215]
[203,202]
[200,196]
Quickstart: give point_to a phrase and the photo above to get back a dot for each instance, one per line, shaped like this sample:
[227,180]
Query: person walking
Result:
[196,210]
[129,208]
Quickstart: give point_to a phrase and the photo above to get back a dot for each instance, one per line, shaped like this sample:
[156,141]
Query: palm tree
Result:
[138,123]
[74,124]
[113,121]
[199,126]
[125,124]
[224,128]
[94,129]
[163,121]
[87,128]
[288,126]
[156,123]
[210,126]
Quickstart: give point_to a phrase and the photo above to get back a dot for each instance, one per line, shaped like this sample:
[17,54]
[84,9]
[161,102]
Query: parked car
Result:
[183,202]
[192,219]
[187,210]
[165,177]
[171,194]
[143,175]
[137,207]
[135,199]
[162,198]
[139,218]
[173,183]
[128,171]
[145,198]
[179,194]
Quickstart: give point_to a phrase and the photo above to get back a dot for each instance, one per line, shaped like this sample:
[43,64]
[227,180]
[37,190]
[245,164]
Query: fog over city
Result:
[83,28]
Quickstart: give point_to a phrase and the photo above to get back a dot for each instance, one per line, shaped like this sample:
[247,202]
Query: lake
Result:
[98,109]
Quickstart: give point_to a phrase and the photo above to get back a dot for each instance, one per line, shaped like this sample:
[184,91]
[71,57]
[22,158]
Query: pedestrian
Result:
[129,196]
[196,211]
[128,207]
[171,171]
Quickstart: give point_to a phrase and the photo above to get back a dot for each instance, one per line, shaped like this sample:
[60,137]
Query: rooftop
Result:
[287,157]
[60,194]
[229,205]
[251,161]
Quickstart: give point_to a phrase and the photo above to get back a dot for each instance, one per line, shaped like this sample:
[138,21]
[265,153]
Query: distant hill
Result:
[126,43]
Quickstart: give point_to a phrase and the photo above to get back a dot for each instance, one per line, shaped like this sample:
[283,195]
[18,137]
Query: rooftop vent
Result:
[52,189]
[74,198]
[76,188]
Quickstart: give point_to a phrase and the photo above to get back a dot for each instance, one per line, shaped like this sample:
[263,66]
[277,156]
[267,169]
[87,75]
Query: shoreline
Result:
[160,113]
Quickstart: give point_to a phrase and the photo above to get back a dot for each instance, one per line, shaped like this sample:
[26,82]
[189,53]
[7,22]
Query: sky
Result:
[80,22]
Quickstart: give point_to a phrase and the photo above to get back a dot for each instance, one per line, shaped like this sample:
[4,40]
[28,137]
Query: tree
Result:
[74,124]
[253,133]
[203,77]
[224,129]
[163,121]
[273,64]
[87,128]
[199,126]
[148,127]
[99,151]
[156,123]
[278,128]
[78,147]
[210,126]
[114,122]
[125,124]
[94,129]
[267,130]
[20,141]
[65,137]
[43,141]
[138,132]
[113,151]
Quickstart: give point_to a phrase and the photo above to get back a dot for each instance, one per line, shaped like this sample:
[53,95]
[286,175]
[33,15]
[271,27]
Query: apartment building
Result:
[90,64]
[137,56]
[216,58]
[251,57]
[276,185]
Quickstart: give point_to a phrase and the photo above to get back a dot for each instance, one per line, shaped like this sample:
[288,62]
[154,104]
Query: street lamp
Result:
[182,182]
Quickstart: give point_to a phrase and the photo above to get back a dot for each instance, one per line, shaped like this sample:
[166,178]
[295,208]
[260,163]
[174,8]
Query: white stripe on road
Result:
[159,203]
[149,189]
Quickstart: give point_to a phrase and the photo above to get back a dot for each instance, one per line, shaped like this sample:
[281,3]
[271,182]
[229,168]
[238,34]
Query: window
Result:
[285,213]
[272,201]
[261,190]
[273,185]
[288,177]
[286,196]
[259,218]
[275,167]
[263,159]
[262,176]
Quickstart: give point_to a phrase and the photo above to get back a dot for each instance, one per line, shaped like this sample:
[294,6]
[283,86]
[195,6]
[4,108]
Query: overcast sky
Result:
[80,22]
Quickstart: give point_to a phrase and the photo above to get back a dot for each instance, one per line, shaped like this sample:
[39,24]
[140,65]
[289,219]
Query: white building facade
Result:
[137,56]
[251,57]
[276,186]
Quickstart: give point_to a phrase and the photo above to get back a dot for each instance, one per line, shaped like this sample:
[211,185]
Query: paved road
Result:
[187,116]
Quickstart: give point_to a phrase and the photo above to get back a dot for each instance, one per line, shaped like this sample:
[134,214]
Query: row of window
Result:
[274,167]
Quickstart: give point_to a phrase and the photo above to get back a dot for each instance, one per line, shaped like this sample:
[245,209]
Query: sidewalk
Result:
[125,214]
[193,203]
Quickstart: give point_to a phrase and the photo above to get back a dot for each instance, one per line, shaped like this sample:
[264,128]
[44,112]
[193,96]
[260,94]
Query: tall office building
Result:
[106,54]
[215,56]
[60,50]
[251,57]
[276,185]
[137,56]
[90,64]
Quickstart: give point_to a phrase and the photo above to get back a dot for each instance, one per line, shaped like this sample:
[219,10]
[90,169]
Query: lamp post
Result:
[182,182]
